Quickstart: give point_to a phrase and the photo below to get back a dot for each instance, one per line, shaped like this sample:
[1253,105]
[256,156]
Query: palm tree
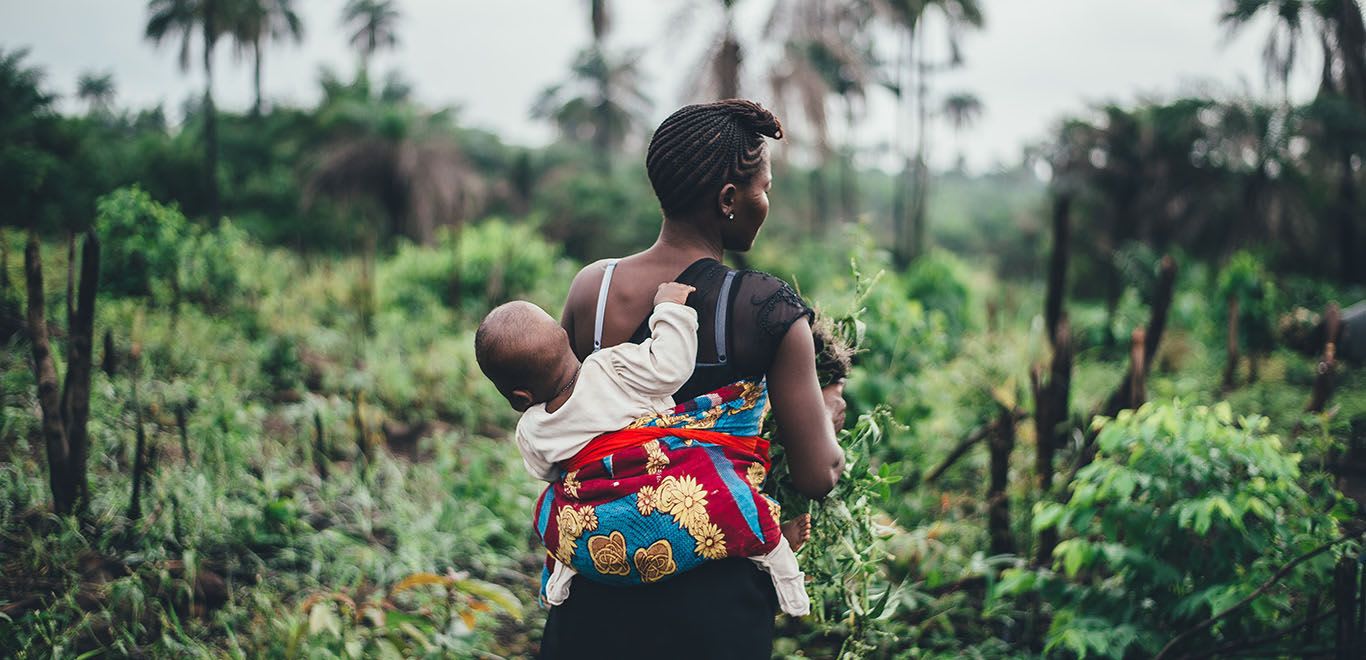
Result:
[962,110]
[1283,41]
[211,19]
[600,19]
[602,103]
[97,90]
[908,16]
[1342,36]
[375,22]
[258,21]
[827,52]
[717,76]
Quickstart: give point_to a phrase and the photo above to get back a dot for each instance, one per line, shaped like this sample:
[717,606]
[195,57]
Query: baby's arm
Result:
[661,364]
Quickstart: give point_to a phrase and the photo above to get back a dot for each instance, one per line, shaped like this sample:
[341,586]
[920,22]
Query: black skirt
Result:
[719,610]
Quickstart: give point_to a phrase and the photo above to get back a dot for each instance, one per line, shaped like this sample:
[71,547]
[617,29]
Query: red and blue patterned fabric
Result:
[665,494]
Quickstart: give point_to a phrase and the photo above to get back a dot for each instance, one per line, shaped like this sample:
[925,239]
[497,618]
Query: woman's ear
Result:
[725,200]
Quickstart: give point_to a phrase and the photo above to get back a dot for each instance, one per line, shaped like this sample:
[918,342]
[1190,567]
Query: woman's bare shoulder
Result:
[585,284]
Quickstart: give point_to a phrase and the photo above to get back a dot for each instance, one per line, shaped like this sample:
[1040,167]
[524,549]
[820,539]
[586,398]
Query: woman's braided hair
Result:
[700,148]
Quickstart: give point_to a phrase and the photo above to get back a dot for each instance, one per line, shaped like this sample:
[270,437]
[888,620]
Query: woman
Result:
[709,168]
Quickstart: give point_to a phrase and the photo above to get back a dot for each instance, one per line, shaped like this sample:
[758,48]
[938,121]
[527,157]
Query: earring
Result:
[731,217]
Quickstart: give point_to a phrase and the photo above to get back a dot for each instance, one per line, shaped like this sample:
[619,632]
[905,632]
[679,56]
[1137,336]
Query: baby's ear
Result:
[521,400]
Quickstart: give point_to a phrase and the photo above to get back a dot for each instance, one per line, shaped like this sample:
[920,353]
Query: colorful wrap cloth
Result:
[667,493]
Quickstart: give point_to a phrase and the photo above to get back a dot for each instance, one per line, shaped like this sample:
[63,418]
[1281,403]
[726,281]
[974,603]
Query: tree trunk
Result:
[319,446]
[1323,377]
[919,210]
[76,392]
[182,425]
[728,63]
[139,462]
[1152,339]
[1138,369]
[64,499]
[1057,264]
[210,114]
[1232,360]
[902,236]
[602,131]
[1051,410]
[1002,442]
[110,362]
[4,260]
[256,75]
[70,276]
[820,206]
[849,180]
[1353,263]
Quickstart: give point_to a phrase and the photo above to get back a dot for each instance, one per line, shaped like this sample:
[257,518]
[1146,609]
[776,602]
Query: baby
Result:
[566,404]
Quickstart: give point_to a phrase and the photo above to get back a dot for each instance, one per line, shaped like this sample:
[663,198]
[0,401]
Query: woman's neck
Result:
[685,238]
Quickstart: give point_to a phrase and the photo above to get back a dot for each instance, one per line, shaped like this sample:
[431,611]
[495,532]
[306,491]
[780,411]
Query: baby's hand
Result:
[673,292]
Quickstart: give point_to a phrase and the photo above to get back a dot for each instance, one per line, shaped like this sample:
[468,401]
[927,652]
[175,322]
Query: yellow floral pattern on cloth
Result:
[711,541]
[573,522]
[645,500]
[774,510]
[609,554]
[656,459]
[686,500]
[571,484]
[756,475]
[655,562]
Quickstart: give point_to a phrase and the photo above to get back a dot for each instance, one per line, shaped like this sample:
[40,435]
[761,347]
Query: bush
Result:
[485,264]
[1246,280]
[210,265]
[939,281]
[1184,512]
[141,242]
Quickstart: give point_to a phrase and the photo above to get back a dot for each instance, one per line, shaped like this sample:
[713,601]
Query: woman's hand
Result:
[835,404]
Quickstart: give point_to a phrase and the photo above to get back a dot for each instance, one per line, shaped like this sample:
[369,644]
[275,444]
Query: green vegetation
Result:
[1060,442]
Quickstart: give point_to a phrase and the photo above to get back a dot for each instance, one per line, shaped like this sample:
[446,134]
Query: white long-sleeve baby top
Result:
[615,387]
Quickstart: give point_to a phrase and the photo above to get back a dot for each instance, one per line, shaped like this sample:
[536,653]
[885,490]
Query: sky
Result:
[1035,62]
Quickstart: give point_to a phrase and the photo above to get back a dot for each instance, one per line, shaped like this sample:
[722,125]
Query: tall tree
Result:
[717,76]
[1283,39]
[962,110]
[908,16]
[1342,37]
[600,19]
[602,103]
[97,90]
[259,21]
[182,19]
[375,23]
[827,55]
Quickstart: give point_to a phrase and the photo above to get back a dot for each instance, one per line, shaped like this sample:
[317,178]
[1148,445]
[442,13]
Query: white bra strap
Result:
[602,304]
[722,304]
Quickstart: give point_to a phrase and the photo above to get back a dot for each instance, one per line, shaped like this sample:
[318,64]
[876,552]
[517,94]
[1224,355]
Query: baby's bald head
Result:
[521,349]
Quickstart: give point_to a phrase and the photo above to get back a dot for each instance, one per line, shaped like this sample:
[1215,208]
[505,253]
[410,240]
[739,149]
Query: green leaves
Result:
[1184,511]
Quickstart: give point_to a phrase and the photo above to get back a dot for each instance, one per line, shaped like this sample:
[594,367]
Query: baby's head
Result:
[522,350]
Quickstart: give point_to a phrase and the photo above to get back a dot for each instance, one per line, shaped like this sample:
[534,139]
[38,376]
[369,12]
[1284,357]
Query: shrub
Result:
[1184,512]
[141,242]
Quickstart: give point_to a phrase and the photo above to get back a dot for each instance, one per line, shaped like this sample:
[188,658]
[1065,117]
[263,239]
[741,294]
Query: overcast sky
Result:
[1036,60]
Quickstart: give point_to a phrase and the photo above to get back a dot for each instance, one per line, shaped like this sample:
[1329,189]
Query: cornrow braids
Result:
[700,148]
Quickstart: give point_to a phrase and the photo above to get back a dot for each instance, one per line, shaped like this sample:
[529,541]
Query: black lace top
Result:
[760,310]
